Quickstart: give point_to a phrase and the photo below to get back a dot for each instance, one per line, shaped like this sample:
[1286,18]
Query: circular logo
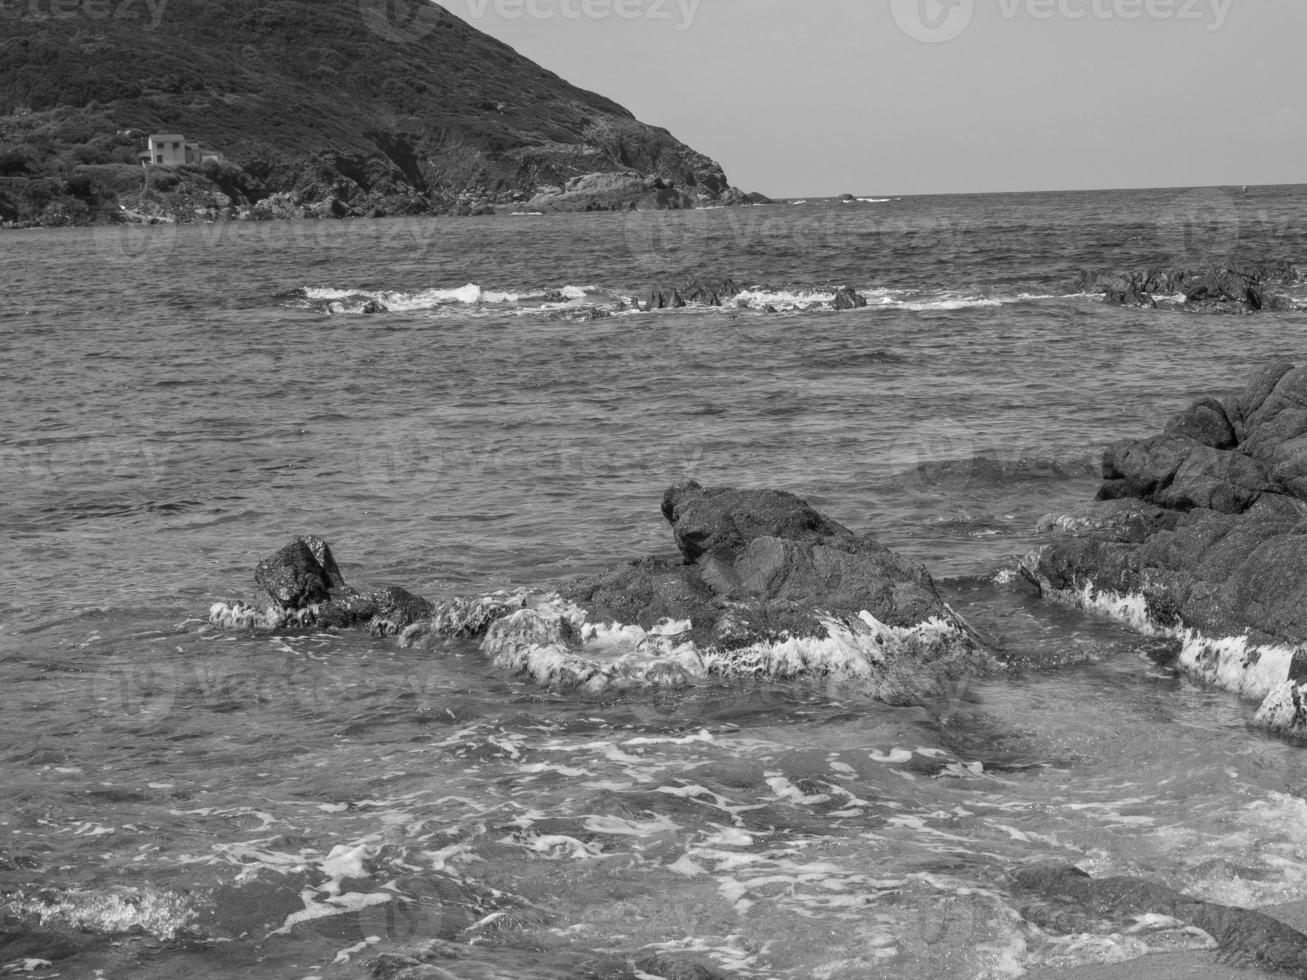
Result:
[934,453]
[403,920]
[666,242]
[135,242]
[400,453]
[141,692]
[1201,227]
[933,21]
[401,21]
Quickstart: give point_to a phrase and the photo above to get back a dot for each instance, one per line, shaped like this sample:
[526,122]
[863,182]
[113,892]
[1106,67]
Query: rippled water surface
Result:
[178,401]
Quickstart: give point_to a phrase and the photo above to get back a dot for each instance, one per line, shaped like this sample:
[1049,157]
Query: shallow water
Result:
[179,401]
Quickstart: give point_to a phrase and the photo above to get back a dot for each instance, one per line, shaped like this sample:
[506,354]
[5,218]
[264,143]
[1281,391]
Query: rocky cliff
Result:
[329,108]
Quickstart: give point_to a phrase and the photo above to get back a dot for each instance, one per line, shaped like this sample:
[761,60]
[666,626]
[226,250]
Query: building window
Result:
[159,158]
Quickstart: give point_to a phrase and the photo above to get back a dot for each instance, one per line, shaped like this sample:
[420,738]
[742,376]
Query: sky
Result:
[824,97]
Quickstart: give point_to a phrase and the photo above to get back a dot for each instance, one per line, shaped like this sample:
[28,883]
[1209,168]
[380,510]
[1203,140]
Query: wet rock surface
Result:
[764,586]
[1240,287]
[1206,525]
[1243,936]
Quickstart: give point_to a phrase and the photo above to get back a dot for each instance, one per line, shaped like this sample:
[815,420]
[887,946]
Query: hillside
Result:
[321,107]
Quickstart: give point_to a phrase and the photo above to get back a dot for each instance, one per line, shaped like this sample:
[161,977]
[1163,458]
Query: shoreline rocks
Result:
[696,292]
[764,587]
[1240,287]
[1200,534]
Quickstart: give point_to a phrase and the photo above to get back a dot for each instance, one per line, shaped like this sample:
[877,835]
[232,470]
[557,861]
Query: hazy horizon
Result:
[911,97]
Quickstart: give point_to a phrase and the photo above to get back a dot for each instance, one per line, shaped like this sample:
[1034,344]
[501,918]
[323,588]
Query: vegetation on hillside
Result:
[328,107]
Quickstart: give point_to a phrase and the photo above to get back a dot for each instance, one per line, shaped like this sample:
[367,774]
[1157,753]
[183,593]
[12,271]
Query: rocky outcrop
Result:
[1201,533]
[303,588]
[614,192]
[1242,935]
[697,292]
[764,587]
[1237,288]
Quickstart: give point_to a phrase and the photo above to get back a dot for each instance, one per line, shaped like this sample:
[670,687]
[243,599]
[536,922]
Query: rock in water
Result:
[294,578]
[765,587]
[1241,287]
[847,298]
[307,590]
[1241,934]
[1200,534]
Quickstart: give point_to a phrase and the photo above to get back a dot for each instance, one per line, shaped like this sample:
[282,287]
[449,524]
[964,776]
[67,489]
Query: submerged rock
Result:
[1201,533]
[765,587]
[1242,935]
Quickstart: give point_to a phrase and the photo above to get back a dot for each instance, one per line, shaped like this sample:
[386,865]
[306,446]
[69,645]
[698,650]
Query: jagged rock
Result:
[1241,934]
[766,586]
[1235,288]
[721,522]
[846,298]
[692,291]
[295,577]
[1215,552]
[308,591]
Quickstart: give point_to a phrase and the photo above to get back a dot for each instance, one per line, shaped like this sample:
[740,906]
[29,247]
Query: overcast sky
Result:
[822,97]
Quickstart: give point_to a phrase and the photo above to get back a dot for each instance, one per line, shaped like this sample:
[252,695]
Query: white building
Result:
[172,150]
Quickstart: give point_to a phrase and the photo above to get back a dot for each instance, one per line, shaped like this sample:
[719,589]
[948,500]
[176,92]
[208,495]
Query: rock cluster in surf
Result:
[1201,532]
[694,292]
[303,587]
[1240,287]
[764,586]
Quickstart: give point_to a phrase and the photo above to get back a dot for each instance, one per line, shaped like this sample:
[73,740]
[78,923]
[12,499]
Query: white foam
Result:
[1234,663]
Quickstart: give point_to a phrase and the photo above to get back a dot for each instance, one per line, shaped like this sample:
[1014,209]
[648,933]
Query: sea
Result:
[179,401]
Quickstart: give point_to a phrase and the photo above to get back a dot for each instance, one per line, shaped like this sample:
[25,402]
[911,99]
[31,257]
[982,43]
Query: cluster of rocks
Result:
[1201,533]
[763,586]
[304,588]
[695,292]
[1236,288]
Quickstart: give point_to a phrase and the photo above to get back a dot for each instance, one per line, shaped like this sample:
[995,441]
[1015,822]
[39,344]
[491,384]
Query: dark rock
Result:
[766,586]
[1243,935]
[1241,286]
[692,291]
[1219,549]
[294,578]
[846,298]
[721,522]
[373,306]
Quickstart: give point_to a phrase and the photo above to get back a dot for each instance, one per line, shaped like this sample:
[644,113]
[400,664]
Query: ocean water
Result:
[179,401]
